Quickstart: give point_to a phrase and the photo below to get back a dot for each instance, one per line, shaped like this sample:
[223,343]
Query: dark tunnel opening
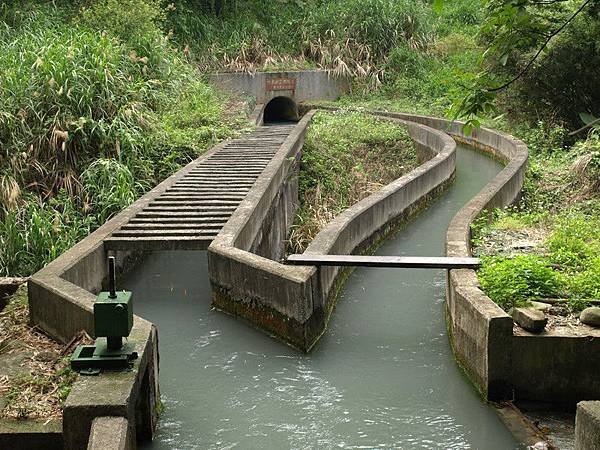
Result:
[281,109]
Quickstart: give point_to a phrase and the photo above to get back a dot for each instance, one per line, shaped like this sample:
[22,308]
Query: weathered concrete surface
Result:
[503,364]
[61,297]
[132,395]
[191,212]
[110,433]
[30,435]
[293,302]
[587,426]
[308,85]
[241,278]
[561,367]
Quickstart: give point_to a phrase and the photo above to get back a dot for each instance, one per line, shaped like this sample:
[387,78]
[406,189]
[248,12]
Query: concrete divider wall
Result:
[293,302]
[370,219]
[502,363]
[268,294]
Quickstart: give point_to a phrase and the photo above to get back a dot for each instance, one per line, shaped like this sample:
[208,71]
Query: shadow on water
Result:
[383,376]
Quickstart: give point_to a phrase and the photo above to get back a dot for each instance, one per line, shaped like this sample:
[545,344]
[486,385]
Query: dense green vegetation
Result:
[346,157]
[560,209]
[96,107]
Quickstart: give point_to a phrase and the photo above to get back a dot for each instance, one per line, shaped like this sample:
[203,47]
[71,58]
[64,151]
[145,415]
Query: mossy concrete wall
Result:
[503,362]
[480,331]
[292,302]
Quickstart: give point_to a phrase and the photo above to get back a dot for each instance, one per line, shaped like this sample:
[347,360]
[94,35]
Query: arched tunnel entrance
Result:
[281,109]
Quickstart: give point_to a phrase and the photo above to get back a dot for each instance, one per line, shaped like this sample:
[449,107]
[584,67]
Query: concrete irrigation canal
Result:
[383,376]
[371,360]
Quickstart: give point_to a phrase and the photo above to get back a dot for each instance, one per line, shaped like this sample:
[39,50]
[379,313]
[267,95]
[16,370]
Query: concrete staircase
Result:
[191,212]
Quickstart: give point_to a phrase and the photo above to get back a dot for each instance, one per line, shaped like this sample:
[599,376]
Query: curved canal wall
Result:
[293,303]
[503,360]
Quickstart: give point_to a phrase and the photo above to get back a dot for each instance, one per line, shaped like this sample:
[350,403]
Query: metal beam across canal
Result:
[397,262]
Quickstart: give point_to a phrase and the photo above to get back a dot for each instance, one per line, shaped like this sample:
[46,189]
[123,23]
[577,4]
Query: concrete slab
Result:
[110,433]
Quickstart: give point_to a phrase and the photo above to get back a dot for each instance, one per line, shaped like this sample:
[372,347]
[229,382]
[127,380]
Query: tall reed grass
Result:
[93,112]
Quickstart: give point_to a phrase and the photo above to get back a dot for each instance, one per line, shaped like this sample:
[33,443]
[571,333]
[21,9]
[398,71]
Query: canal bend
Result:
[383,376]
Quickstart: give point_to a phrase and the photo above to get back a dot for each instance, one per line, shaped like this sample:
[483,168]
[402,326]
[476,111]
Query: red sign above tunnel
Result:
[281,84]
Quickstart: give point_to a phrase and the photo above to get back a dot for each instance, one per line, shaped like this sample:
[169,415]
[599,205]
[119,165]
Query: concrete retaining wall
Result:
[293,302]
[110,432]
[504,364]
[307,85]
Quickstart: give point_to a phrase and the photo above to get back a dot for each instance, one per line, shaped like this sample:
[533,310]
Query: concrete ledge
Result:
[110,433]
[132,395]
[587,426]
[293,303]
[30,435]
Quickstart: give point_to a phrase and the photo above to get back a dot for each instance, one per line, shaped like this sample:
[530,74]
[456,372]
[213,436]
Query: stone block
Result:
[530,319]
[587,426]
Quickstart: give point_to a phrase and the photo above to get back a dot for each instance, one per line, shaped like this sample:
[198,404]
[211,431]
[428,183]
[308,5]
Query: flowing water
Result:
[383,376]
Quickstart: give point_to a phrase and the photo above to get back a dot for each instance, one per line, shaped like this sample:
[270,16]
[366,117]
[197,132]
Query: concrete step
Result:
[192,215]
[218,221]
[168,202]
[165,233]
[191,212]
[202,228]
[158,243]
[161,208]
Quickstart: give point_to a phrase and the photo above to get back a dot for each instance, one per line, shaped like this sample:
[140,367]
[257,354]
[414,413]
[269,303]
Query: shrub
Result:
[511,282]
[35,233]
[346,157]
[586,284]
[574,241]
[110,187]
[134,21]
[403,60]
[66,96]
[380,24]
[564,80]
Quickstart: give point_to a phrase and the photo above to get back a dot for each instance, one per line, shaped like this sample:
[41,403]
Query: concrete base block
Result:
[110,433]
[131,395]
[587,426]
[530,319]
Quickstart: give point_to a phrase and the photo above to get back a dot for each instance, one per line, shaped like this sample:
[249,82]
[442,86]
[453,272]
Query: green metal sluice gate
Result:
[113,321]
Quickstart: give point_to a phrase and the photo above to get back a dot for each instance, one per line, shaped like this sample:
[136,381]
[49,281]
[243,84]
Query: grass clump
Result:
[346,157]
[511,282]
[565,263]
